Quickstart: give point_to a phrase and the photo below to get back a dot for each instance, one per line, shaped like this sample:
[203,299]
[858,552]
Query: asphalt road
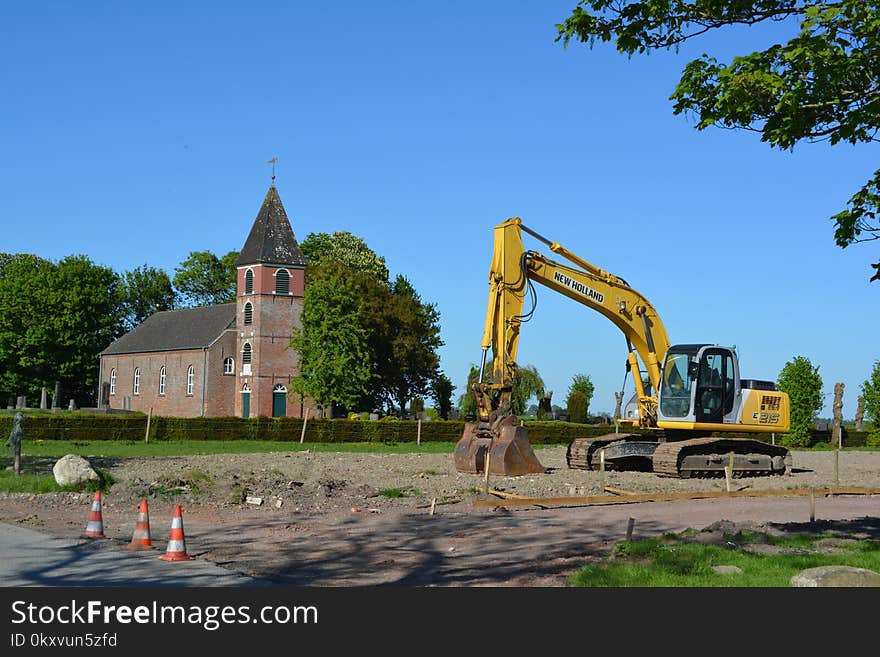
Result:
[32,558]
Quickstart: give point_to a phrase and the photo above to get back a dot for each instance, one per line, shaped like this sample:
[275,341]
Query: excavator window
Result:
[675,390]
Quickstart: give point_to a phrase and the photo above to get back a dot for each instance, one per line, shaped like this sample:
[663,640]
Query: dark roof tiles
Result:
[188,328]
[271,239]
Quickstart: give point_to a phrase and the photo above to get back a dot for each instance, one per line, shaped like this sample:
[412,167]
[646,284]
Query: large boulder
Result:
[73,470]
[846,576]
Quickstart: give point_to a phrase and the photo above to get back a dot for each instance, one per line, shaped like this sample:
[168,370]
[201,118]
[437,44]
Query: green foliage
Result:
[681,561]
[527,383]
[145,290]
[871,393]
[441,393]
[398,334]
[416,406]
[54,320]
[347,249]
[801,380]
[203,279]
[333,345]
[406,337]
[580,393]
[577,405]
[819,85]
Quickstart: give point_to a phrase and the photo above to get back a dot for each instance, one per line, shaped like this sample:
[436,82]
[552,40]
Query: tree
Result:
[527,383]
[580,393]
[871,396]
[146,290]
[406,336]
[333,346]
[822,84]
[801,380]
[441,393]
[54,320]
[346,248]
[577,406]
[203,279]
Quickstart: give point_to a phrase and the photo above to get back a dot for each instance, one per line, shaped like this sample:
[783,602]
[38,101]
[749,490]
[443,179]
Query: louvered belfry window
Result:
[249,282]
[248,313]
[246,353]
[282,282]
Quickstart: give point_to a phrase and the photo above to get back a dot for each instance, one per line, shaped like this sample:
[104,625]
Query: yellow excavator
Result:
[695,390]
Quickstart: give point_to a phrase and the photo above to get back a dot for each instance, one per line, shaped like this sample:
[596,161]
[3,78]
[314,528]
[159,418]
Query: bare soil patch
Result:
[351,519]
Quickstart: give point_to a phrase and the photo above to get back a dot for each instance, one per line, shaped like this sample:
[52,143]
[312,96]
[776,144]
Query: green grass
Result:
[661,563]
[45,483]
[137,449]
[393,493]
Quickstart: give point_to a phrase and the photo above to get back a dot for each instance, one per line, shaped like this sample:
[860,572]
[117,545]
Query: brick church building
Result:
[222,360]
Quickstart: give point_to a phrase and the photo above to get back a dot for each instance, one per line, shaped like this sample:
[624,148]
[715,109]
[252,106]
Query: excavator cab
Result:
[701,388]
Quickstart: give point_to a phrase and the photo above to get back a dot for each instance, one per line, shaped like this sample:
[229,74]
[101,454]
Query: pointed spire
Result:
[271,239]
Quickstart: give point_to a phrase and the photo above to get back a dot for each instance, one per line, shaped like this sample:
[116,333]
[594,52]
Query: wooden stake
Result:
[419,434]
[836,467]
[488,458]
[602,469]
[618,491]
[629,529]
[149,417]
[433,503]
[812,506]
[302,435]
[728,473]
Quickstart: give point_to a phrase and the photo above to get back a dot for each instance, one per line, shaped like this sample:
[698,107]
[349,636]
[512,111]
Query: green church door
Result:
[245,403]
[279,401]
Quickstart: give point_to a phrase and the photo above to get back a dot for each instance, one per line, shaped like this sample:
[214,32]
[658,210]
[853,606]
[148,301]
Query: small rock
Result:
[727,570]
[355,509]
[250,499]
[72,470]
[832,576]
[279,503]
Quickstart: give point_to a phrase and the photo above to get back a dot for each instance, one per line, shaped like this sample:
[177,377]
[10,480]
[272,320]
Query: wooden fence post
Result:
[149,418]
[302,435]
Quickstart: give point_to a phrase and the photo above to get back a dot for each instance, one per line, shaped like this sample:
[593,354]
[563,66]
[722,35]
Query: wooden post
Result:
[629,529]
[149,418]
[812,505]
[602,469]
[433,502]
[302,435]
[728,472]
[419,433]
[488,458]
[836,467]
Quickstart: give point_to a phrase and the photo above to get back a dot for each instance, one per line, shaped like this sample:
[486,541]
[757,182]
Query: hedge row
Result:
[101,426]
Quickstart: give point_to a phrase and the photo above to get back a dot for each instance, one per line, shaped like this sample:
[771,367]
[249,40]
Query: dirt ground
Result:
[347,519]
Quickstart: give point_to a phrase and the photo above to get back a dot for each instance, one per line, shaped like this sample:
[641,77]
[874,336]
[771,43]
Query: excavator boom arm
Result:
[514,268]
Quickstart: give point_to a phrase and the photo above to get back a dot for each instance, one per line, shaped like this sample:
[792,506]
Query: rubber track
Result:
[667,456]
[580,450]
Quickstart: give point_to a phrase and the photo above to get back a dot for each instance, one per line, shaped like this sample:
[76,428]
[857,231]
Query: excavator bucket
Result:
[506,448]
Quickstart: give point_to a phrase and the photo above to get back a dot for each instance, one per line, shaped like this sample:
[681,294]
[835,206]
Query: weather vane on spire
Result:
[272,162]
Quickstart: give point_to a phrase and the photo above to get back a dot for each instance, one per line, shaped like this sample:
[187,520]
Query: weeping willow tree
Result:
[527,383]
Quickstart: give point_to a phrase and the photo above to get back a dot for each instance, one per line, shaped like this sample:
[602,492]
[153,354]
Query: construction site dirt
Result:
[363,519]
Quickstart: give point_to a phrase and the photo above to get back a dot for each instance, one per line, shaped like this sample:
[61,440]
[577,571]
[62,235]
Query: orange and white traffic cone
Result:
[176,550]
[140,540]
[95,525]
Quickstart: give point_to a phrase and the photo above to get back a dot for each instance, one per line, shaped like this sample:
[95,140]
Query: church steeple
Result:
[271,240]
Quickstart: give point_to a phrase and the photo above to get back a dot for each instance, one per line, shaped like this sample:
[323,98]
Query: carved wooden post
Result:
[837,430]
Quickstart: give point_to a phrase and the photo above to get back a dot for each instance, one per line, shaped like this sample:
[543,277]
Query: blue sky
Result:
[137,132]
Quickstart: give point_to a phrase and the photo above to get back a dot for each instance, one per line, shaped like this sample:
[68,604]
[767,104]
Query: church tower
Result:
[269,302]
